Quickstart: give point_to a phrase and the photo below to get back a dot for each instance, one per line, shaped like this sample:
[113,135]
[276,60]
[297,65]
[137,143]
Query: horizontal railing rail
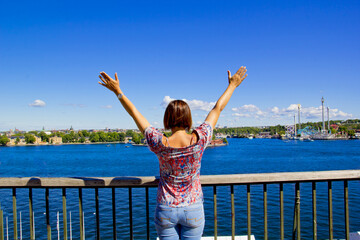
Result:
[256,178]
[209,181]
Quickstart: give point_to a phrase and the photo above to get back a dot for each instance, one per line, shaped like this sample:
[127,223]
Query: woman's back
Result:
[179,166]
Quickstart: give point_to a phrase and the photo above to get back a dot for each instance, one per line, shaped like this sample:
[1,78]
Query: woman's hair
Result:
[177,114]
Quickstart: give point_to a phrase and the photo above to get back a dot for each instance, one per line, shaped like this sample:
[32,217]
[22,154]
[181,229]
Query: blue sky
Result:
[296,52]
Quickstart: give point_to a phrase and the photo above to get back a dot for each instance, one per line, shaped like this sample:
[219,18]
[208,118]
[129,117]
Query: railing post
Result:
[147,213]
[314,210]
[232,213]
[81,215]
[31,216]
[346,203]
[281,211]
[265,212]
[1,224]
[15,214]
[248,212]
[48,227]
[113,212]
[130,213]
[215,213]
[97,214]
[330,210]
[64,213]
[296,229]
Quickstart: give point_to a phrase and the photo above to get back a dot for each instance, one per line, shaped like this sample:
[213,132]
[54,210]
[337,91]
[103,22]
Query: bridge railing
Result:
[207,181]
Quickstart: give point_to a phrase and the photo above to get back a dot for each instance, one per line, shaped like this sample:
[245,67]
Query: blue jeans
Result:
[180,223]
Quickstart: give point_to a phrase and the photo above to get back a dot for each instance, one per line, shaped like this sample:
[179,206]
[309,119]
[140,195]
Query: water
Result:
[241,156]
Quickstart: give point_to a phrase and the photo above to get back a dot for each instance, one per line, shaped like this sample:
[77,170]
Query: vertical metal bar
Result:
[15,214]
[232,213]
[248,212]
[81,215]
[48,227]
[130,213]
[20,227]
[147,213]
[281,211]
[296,228]
[113,212]
[265,212]
[64,213]
[1,224]
[34,225]
[31,215]
[97,214]
[346,202]
[314,210]
[330,210]
[297,186]
[70,226]
[215,214]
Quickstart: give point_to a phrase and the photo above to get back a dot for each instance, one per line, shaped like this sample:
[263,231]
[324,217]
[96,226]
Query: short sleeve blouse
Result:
[179,184]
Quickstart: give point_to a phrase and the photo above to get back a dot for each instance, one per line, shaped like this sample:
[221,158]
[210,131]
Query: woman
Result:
[179,212]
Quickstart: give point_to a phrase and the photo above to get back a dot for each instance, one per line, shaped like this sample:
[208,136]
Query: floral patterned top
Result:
[179,184]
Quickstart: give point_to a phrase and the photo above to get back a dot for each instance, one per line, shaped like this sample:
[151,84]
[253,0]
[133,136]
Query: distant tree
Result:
[129,133]
[225,140]
[102,137]
[4,140]
[44,137]
[82,140]
[121,137]
[85,133]
[333,131]
[29,138]
[94,137]
[351,133]
[17,140]
[136,138]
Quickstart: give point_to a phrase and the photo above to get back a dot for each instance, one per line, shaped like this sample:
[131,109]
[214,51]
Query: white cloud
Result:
[37,103]
[74,105]
[275,110]
[193,104]
[107,106]
[252,111]
[241,114]
[246,108]
[309,112]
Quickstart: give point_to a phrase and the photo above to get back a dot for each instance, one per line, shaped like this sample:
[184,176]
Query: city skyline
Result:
[295,53]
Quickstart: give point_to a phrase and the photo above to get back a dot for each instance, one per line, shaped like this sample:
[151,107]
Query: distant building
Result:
[264,135]
[12,141]
[55,140]
[37,140]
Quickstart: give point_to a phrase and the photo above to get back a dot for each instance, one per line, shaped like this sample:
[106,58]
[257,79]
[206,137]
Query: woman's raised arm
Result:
[114,86]
[234,82]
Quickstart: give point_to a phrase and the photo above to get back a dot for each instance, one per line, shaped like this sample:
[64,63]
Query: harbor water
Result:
[240,156]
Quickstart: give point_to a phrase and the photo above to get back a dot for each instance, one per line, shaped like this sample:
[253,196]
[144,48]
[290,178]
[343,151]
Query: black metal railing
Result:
[208,182]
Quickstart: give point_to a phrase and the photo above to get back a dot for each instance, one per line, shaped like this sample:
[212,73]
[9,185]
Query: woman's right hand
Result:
[238,77]
[109,83]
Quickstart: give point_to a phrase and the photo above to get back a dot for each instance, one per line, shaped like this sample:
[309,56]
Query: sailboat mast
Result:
[299,115]
[294,125]
[323,120]
[328,117]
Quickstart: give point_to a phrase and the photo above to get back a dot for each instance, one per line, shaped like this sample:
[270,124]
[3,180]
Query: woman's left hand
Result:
[109,83]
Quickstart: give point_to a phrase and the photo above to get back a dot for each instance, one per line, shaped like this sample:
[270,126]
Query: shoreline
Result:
[48,144]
